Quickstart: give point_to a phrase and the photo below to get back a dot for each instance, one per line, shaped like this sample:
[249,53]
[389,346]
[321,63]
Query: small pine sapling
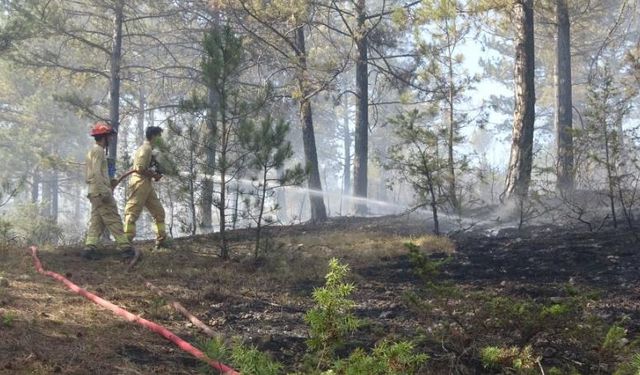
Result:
[332,318]
[267,151]
[418,161]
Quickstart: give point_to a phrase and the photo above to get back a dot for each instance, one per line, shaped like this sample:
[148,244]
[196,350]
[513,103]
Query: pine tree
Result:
[267,152]
[417,160]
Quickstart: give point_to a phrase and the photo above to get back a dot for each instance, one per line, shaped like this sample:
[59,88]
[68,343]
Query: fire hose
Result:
[153,327]
[119,180]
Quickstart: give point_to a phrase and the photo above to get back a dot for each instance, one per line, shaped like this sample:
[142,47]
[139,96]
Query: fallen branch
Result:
[154,327]
[179,308]
[137,254]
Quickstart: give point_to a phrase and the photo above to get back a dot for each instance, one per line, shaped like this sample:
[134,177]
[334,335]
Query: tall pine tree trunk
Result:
[360,160]
[114,84]
[451,136]
[521,159]
[318,210]
[346,134]
[564,115]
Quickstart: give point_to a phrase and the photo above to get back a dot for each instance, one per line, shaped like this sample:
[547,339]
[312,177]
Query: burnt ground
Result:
[45,329]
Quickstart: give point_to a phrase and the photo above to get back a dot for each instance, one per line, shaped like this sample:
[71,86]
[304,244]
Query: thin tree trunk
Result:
[222,205]
[318,209]
[281,199]
[54,194]
[521,159]
[222,169]
[206,201]
[610,175]
[77,213]
[35,186]
[453,196]
[360,160]
[564,106]
[263,196]
[114,84]
[192,198]
[434,204]
[236,203]
[142,107]
[209,141]
[50,191]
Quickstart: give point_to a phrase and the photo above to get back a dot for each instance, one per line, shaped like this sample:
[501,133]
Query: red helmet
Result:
[101,128]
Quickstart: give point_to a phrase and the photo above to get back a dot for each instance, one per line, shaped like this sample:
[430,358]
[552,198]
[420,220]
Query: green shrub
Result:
[247,360]
[386,359]
[8,319]
[427,269]
[630,368]
[615,339]
[497,358]
[7,235]
[556,310]
[251,361]
[330,321]
[28,226]
[332,318]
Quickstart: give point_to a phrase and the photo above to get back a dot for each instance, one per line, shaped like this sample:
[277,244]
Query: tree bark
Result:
[564,115]
[263,197]
[114,84]
[360,160]
[318,210]
[521,159]
[192,195]
[223,168]
[346,134]
[50,195]
[610,174]
[142,107]
[54,195]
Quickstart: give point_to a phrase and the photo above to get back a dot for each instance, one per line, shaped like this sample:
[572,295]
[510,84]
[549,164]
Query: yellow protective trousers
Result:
[104,214]
[142,195]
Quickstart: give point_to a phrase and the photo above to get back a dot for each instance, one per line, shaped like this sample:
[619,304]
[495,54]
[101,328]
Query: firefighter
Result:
[141,192]
[104,212]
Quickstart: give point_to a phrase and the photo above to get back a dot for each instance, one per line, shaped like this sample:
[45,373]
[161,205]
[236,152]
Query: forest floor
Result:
[550,294]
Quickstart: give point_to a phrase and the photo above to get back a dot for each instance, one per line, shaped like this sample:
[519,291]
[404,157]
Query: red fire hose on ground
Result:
[154,327]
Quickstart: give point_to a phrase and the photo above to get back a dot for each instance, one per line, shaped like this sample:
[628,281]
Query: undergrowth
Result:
[331,322]
[470,330]
[509,335]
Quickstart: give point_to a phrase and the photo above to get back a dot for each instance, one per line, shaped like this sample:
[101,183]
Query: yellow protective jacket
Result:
[96,174]
[141,163]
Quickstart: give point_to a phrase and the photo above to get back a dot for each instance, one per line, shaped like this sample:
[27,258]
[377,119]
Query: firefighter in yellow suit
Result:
[104,211]
[141,192]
